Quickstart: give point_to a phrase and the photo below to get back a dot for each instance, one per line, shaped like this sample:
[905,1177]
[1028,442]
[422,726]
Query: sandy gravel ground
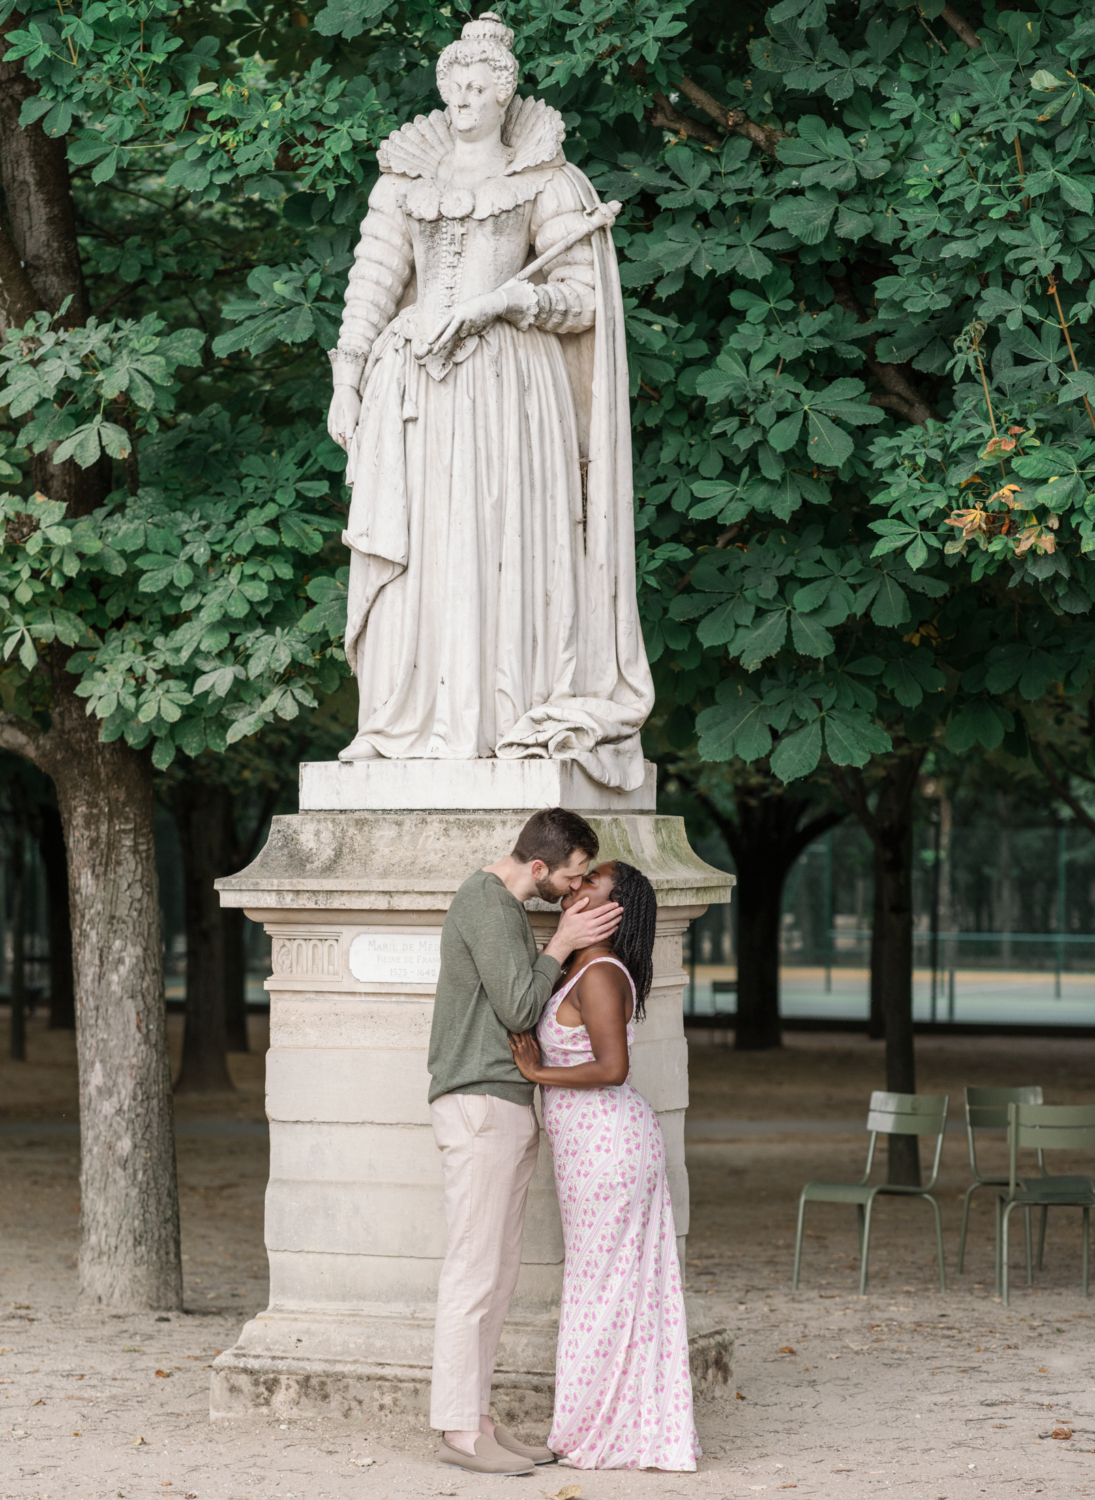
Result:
[904,1392]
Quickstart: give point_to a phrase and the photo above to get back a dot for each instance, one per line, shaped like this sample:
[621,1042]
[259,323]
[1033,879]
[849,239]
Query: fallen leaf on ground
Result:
[738,1396]
[163,1374]
[568,1492]
[39,1402]
[80,1434]
[138,1443]
[1063,1433]
[362,1463]
[1043,1369]
[787,1349]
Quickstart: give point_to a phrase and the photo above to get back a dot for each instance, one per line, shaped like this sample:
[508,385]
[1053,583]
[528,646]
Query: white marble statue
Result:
[492,577]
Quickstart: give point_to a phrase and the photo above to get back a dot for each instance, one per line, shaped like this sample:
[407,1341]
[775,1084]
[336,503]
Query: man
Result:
[491,983]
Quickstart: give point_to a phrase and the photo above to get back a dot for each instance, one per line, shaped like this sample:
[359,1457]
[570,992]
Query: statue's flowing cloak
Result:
[593,706]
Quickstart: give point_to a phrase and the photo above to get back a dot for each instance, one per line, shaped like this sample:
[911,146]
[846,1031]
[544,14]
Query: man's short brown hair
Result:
[552,835]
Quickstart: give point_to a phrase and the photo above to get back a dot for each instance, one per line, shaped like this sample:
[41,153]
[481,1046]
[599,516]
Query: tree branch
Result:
[894,403]
[23,738]
[1063,790]
[664,117]
[852,789]
[902,395]
[732,119]
[900,388]
[960,26]
[812,830]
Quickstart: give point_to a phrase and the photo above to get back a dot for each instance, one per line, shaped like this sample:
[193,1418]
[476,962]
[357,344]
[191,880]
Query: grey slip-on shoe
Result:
[535,1454]
[490,1458]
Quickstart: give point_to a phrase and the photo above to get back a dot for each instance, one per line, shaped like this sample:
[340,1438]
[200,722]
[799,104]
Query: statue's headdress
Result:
[486,40]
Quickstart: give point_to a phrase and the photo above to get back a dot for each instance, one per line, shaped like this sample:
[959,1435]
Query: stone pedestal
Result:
[354,901]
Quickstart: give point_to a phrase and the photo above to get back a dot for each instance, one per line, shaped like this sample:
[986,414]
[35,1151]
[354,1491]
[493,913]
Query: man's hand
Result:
[579,928]
[343,414]
[526,1054]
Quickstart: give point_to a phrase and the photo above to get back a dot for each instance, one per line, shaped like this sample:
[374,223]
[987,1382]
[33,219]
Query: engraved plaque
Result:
[396,957]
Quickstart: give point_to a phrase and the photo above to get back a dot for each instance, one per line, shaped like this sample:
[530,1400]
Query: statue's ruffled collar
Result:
[532,130]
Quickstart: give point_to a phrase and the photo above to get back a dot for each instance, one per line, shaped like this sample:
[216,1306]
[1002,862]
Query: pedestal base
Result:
[334,1377]
[354,902]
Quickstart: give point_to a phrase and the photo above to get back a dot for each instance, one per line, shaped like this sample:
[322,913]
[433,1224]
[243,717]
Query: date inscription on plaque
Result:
[396,957]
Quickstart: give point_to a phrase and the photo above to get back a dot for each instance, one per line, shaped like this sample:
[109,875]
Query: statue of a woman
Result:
[492,575]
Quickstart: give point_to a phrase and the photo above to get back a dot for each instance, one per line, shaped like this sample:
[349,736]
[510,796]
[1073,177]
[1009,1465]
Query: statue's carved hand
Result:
[466,319]
[343,415]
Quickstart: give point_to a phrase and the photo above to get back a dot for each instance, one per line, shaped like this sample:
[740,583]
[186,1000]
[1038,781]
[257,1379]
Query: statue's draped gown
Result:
[490,611]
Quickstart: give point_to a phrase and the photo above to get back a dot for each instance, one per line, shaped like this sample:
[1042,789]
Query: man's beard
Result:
[546,890]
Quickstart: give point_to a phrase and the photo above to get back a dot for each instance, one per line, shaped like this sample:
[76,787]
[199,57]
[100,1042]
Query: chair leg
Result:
[1005,1291]
[866,1249]
[965,1225]
[859,1218]
[1026,1226]
[999,1210]
[1042,1236]
[798,1242]
[1087,1236]
[939,1242]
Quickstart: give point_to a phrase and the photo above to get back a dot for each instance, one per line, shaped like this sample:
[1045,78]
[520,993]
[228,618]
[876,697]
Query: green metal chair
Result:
[1041,1128]
[889,1114]
[987,1109]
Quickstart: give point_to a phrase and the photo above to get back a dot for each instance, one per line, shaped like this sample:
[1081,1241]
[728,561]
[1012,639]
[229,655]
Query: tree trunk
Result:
[889,825]
[18,1038]
[765,837]
[876,1025]
[235,978]
[760,904]
[129,1246]
[203,812]
[62,996]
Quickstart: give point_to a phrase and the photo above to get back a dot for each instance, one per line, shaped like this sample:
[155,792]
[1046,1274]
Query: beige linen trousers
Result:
[488,1154]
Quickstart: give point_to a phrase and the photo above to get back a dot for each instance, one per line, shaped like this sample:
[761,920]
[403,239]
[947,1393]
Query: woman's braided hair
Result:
[633,941]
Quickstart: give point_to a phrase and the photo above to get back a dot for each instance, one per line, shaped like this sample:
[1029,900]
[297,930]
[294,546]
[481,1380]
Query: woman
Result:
[491,602]
[623,1397]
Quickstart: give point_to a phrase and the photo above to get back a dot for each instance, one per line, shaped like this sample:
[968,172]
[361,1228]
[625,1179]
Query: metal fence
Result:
[1007,977]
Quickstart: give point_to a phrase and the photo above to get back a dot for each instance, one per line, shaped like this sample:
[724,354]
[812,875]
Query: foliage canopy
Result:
[857,256]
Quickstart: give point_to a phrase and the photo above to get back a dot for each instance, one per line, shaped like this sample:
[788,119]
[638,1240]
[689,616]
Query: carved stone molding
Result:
[307,955]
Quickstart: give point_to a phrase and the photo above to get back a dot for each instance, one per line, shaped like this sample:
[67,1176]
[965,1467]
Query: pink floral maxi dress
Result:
[623,1395]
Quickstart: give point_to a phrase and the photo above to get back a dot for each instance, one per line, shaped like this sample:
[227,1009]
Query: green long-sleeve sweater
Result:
[491,982]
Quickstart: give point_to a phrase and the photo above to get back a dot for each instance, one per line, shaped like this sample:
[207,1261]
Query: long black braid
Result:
[633,941]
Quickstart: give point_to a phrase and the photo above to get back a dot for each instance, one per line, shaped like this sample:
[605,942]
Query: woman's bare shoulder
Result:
[603,977]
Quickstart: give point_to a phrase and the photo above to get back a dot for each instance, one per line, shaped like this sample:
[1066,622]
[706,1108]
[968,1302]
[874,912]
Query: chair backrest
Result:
[1049,1127]
[987,1109]
[907,1114]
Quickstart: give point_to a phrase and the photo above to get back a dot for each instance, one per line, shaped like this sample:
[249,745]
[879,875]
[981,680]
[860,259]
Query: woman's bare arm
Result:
[603,1004]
